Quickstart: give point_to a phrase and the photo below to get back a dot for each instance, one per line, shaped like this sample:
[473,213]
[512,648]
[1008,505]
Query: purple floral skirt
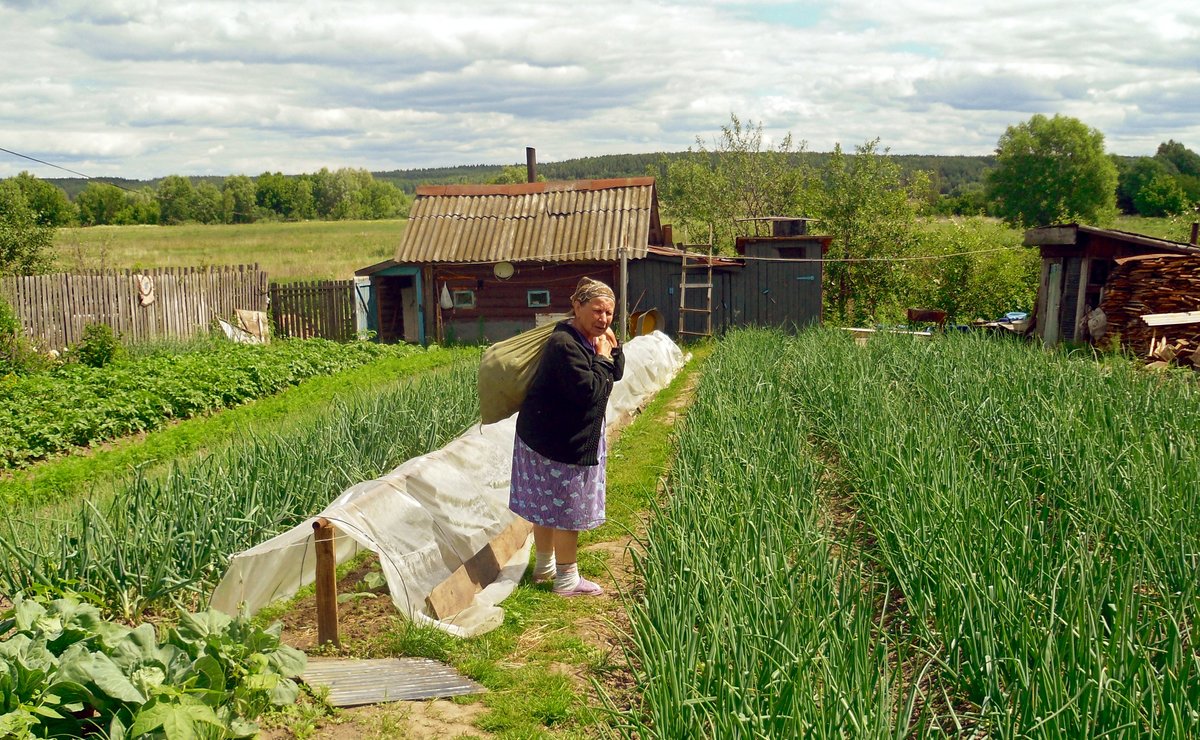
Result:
[555,494]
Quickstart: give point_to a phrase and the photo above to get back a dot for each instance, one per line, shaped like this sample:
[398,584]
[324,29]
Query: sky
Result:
[143,89]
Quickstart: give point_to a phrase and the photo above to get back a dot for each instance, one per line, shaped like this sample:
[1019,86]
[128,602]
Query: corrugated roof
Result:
[581,220]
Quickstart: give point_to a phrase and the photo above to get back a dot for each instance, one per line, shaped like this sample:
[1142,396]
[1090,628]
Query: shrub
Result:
[98,347]
[17,354]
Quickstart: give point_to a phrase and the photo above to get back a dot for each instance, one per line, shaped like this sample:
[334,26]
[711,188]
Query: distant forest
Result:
[949,174]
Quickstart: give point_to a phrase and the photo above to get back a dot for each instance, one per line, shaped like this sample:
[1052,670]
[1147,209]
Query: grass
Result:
[1177,229]
[307,250]
[642,456]
[540,630]
[94,472]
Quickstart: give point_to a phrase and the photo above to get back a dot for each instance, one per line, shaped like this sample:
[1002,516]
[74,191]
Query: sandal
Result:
[583,588]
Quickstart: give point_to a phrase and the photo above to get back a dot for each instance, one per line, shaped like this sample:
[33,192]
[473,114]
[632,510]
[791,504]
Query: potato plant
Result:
[166,537]
[75,405]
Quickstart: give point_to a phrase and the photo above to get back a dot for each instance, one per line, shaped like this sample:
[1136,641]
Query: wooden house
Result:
[480,263]
[1077,263]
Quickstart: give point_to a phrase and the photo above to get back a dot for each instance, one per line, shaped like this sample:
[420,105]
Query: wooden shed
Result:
[480,263]
[1077,262]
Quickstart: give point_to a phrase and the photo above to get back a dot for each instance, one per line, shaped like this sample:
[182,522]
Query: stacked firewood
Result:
[1151,286]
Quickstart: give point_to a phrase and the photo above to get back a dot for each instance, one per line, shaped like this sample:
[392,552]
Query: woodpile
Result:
[1158,284]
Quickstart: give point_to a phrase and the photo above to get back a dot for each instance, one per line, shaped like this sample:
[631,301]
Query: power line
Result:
[60,167]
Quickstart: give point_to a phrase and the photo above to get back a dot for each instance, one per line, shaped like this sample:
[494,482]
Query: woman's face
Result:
[593,318]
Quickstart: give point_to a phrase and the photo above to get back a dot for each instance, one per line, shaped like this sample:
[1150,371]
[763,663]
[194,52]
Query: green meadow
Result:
[306,250]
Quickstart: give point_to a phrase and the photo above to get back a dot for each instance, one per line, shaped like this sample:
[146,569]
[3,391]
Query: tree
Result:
[871,212]
[513,174]
[208,205]
[1161,196]
[983,271]
[739,178]
[286,197]
[331,192]
[383,200]
[1184,164]
[25,243]
[49,203]
[1182,160]
[237,199]
[177,200]
[1052,170]
[99,203]
[1132,177]
[141,207]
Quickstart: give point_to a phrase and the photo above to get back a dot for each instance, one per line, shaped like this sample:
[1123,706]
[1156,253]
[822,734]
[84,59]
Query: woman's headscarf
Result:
[587,290]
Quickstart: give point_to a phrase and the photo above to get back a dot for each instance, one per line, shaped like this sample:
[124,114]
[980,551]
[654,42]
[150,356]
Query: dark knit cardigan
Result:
[562,416]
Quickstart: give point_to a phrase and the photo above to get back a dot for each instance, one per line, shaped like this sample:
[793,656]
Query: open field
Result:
[328,250]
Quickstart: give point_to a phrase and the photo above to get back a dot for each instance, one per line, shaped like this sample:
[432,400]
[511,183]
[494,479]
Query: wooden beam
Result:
[1172,319]
[326,582]
[1050,235]
[456,592]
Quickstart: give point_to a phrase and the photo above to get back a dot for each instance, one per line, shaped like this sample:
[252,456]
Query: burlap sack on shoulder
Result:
[507,369]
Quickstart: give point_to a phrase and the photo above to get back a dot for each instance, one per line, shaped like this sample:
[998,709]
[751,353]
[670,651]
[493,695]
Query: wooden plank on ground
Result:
[455,593]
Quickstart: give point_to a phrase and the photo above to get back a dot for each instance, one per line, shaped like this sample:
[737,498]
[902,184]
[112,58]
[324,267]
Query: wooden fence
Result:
[323,308]
[150,304]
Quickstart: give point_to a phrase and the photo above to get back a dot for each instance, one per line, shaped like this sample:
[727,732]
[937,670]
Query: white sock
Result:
[543,566]
[567,578]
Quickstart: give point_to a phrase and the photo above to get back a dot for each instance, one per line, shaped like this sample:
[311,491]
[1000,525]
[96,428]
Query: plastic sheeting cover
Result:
[428,516]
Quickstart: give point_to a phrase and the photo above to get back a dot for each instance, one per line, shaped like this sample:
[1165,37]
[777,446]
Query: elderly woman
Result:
[559,452]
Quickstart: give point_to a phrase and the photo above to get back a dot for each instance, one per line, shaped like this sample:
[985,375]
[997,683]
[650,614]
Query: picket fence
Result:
[321,308]
[139,305]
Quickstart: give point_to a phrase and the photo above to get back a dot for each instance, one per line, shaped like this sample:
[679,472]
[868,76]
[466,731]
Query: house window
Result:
[538,298]
[464,299]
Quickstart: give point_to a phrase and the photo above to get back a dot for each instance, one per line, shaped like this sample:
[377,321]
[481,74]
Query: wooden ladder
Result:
[696,263]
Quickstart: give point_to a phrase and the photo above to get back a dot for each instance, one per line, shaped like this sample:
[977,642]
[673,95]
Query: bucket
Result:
[644,322]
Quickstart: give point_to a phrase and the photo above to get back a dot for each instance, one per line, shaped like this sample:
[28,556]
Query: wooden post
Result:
[1054,286]
[1085,267]
[327,612]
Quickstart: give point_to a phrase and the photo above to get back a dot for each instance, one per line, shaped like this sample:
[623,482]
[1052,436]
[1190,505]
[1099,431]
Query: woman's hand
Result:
[605,342]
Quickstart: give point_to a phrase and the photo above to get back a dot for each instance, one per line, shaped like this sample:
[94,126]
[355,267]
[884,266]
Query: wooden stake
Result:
[327,610]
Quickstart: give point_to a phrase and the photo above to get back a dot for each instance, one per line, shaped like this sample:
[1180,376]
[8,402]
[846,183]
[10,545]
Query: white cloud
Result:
[142,89]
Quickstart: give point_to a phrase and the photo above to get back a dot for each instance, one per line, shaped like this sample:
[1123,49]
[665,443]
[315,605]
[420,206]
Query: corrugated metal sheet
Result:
[352,683]
[586,220]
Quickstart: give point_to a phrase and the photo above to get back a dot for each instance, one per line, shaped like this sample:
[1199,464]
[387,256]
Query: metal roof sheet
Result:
[581,220]
[353,682]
